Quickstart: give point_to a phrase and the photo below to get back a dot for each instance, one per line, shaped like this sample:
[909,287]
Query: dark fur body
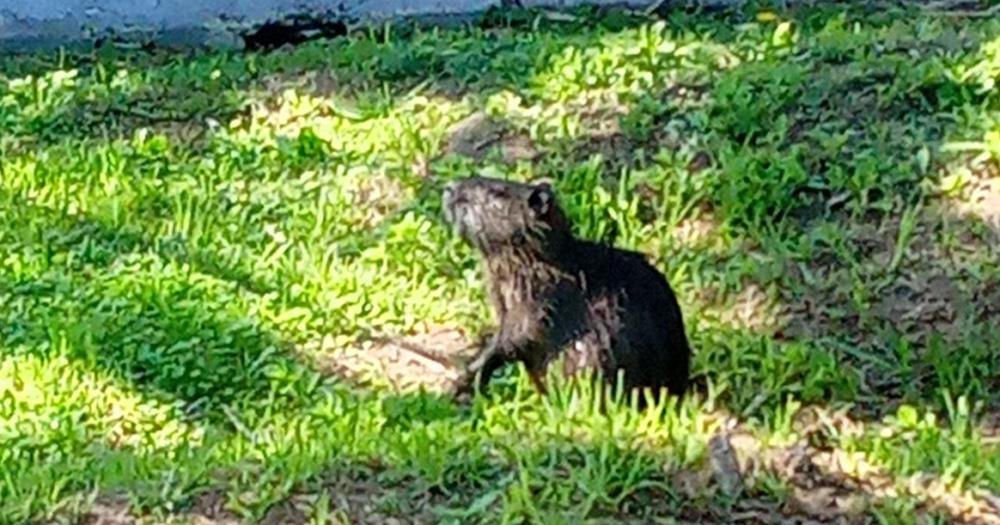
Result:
[594,306]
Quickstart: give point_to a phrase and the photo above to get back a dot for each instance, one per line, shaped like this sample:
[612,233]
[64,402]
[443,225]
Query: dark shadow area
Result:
[176,93]
[291,32]
[157,325]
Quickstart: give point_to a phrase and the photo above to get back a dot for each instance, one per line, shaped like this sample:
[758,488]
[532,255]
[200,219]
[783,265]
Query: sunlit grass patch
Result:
[64,423]
[58,401]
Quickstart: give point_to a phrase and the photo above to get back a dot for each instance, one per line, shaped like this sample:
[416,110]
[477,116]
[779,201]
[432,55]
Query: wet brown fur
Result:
[596,307]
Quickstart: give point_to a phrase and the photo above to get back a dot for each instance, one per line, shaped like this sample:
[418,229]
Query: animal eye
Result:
[540,199]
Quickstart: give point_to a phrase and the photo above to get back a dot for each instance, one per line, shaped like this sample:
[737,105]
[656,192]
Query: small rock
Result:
[517,148]
[472,135]
[725,464]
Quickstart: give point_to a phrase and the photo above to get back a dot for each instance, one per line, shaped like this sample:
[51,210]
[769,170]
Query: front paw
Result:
[462,398]
[464,387]
[468,386]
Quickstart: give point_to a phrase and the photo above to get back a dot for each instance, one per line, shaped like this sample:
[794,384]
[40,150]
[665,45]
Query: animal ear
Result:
[541,198]
[543,182]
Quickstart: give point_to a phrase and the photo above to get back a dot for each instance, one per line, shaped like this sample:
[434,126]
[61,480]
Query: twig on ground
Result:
[418,352]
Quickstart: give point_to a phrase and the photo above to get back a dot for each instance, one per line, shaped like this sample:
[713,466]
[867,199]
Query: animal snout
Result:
[449,191]
[448,200]
[451,195]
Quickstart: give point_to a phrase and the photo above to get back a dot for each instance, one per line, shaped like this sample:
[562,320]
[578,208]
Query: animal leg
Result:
[480,371]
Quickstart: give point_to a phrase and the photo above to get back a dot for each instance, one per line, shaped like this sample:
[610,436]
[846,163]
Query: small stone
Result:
[725,464]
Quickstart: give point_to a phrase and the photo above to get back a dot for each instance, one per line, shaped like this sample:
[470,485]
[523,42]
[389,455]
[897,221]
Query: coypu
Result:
[558,296]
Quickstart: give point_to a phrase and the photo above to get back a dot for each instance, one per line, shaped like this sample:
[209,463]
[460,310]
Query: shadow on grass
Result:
[159,331]
[145,314]
[179,94]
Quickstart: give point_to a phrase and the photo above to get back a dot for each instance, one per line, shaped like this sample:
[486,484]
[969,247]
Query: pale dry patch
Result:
[430,360]
[982,200]
[315,83]
[699,231]
[970,185]
[373,197]
[751,308]
[108,511]
[479,134]
[208,509]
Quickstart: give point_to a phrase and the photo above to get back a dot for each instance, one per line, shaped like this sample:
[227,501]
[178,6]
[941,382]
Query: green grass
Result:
[188,240]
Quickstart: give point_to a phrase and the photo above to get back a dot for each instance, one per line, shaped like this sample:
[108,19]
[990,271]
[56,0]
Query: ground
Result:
[227,294]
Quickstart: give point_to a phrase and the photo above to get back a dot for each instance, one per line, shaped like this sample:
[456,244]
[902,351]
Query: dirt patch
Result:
[430,361]
[752,308]
[357,500]
[615,149]
[108,511]
[208,509]
[825,484]
[312,83]
[981,195]
[365,500]
[479,135]
[698,230]
[918,280]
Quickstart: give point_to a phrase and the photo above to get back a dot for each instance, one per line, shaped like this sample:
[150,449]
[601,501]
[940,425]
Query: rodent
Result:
[558,296]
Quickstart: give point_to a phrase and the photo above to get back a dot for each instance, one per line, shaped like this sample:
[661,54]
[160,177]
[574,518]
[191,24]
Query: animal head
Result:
[492,213]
